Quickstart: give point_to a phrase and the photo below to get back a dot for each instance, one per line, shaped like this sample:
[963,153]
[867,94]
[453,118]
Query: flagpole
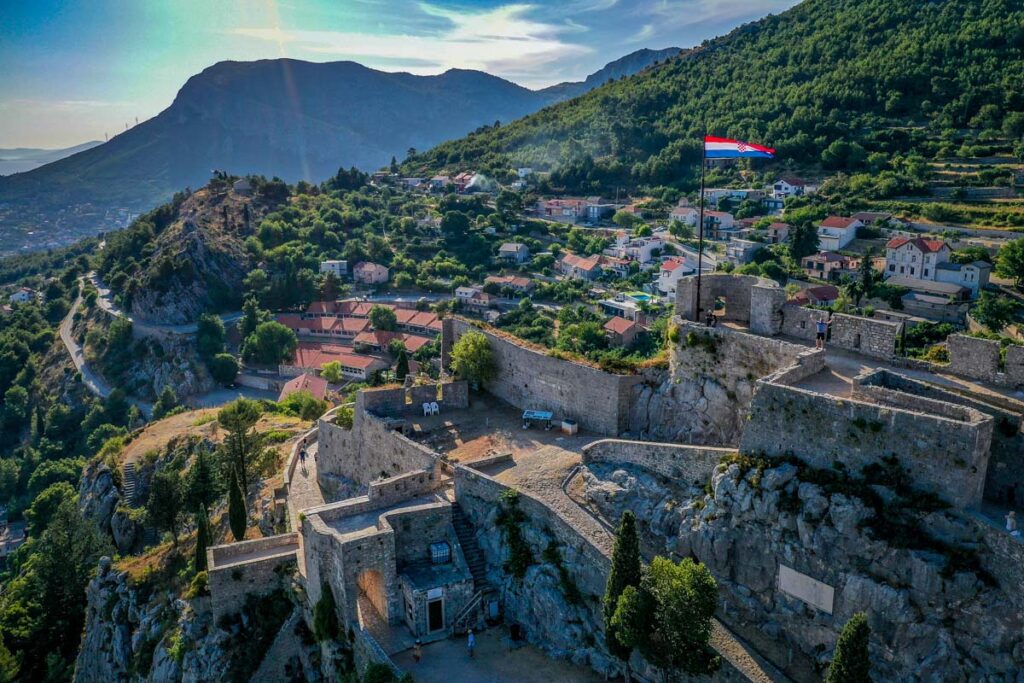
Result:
[700,222]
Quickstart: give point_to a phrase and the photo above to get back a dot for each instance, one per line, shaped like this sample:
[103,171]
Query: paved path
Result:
[143,327]
[304,490]
[96,384]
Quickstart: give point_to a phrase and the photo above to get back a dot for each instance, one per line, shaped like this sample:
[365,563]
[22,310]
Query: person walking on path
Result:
[302,457]
[821,328]
[471,643]
[417,651]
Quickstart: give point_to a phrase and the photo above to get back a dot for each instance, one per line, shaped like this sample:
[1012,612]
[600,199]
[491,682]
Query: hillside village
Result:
[568,397]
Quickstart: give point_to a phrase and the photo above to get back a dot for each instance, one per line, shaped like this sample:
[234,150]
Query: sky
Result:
[75,70]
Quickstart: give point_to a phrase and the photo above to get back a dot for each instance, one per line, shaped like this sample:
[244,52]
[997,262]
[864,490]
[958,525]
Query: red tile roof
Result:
[381,338]
[317,386]
[671,264]
[921,243]
[572,260]
[315,355]
[841,222]
[619,325]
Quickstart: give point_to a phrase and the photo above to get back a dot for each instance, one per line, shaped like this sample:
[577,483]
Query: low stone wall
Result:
[372,449]
[691,464]
[367,651]
[404,402]
[980,359]
[945,455]
[808,363]
[230,585]
[532,380]
[798,321]
[402,486]
[867,336]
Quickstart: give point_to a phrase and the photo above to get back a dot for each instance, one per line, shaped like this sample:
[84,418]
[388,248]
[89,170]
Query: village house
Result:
[621,332]
[311,357]
[739,251]
[791,186]
[623,307]
[579,267]
[315,386]
[684,214]
[835,232]
[714,195]
[242,186]
[669,274]
[418,322]
[639,249]
[370,273]
[777,233]
[461,180]
[23,295]
[829,265]
[518,284]
[474,298]
[338,268]
[719,225]
[928,260]
[513,253]
[821,295]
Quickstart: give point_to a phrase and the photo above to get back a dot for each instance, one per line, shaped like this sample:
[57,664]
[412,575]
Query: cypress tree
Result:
[237,516]
[202,540]
[626,571]
[851,662]
[402,366]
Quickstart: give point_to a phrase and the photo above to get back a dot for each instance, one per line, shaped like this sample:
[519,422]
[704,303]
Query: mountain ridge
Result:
[290,118]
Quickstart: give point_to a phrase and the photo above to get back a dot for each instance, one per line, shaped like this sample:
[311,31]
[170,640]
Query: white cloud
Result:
[504,41]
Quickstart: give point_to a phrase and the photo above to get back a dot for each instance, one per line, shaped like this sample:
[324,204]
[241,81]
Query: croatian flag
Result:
[724,148]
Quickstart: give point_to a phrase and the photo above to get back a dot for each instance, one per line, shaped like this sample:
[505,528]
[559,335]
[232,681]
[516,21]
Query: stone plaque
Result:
[802,587]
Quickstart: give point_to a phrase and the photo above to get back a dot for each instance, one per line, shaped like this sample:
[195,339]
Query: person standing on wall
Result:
[821,329]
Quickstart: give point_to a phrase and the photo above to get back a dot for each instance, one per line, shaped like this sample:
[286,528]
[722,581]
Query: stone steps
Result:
[129,484]
[466,533]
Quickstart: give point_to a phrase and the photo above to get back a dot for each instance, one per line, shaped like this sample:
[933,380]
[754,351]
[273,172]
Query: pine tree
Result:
[202,540]
[165,505]
[165,403]
[402,366]
[202,489]
[626,571]
[237,516]
[851,662]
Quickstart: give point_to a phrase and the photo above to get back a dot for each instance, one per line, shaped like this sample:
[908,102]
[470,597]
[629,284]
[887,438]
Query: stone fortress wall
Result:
[945,447]
[749,299]
[257,567]
[693,464]
[981,359]
[532,380]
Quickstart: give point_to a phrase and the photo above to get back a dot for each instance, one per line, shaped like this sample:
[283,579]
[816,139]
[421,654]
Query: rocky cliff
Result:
[912,565]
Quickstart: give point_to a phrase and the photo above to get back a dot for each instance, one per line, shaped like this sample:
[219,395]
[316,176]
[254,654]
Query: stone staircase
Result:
[466,533]
[130,484]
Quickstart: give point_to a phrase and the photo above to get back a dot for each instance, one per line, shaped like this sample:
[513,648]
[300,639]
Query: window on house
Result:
[925,273]
[911,270]
[892,268]
[440,553]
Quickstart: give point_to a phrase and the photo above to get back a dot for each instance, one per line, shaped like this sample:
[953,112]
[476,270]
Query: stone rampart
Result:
[690,464]
[704,396]
[532,380]
[256,567]
[373,448]
[1004,478]
[798,321]
[749,299]
[980,359]
[945,455]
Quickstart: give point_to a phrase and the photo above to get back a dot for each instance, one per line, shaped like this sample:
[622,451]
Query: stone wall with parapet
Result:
[749,299]
[532,380]
[690,464]
[946,454]
[230,585]
[406,402]
[1004,477]
[980,359]
[370,450]
[704,396]
[867,336]
[872,337]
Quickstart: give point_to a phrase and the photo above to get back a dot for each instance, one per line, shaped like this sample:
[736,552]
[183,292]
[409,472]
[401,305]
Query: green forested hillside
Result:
[826,83]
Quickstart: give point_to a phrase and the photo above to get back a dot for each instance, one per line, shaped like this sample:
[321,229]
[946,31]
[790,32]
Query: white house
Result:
[835,232]
[513,252]
[23,295]
[791,186]
[927,260]
[370,273]
[639,249]
[339,268]
[684,214]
